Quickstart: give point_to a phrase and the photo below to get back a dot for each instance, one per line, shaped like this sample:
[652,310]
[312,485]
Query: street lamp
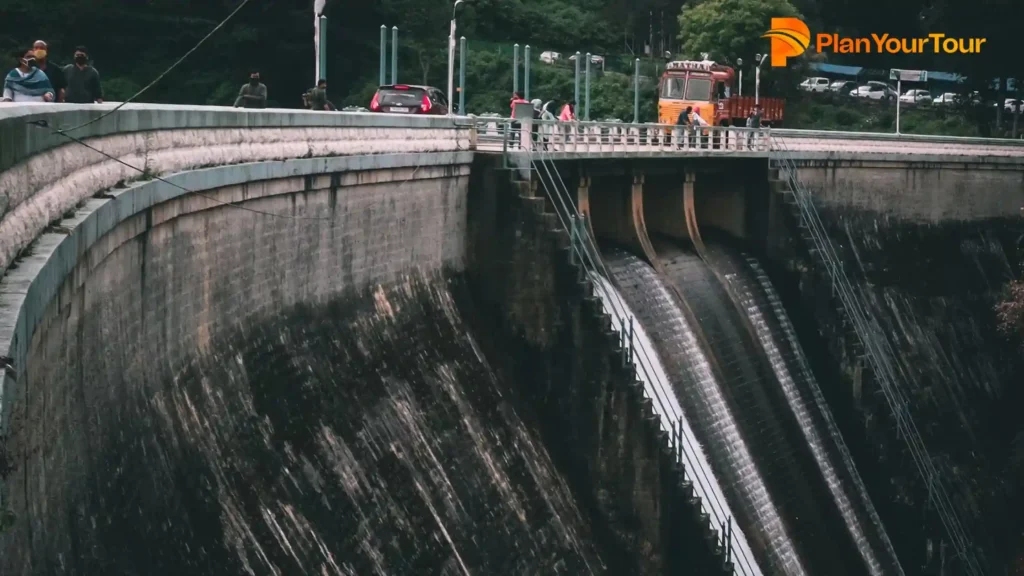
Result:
[739,64]
[451,56]
[759,58]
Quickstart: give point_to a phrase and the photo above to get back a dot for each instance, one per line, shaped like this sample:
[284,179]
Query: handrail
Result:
[584,248]
[890,137]
[880,355]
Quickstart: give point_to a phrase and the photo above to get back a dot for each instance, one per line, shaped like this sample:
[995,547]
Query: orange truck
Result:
[708,86]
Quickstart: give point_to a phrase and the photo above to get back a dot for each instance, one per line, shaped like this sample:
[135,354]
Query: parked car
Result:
[409,99]
[549,57]
[945,99]
[875,91]
[594,59]
[816,84]
[1010,103]
[843,86]
[916,97]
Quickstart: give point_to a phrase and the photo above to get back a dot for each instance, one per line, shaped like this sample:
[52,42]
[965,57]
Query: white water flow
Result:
[719,428]
[658,387]
[801,410]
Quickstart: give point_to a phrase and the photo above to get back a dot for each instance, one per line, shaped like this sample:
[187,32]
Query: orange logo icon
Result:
[790,38]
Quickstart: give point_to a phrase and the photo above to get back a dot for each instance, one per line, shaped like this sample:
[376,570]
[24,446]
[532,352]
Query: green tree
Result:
[732,29]
[729,29]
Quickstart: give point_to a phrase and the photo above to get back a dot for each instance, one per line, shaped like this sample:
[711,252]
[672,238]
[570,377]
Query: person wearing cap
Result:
[52,71]
[83,81]
[253,94]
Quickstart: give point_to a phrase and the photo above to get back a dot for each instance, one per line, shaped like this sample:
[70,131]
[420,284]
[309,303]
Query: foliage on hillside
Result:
[132,42]
[1011,311]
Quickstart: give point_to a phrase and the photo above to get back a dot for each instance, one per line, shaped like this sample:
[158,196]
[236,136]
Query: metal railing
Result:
[552,137]
[584,251]
[879,354]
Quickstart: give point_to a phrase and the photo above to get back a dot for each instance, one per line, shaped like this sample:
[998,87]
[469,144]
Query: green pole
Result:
[576,92]
[383,55]
[323,49]
[515,68]
[462,76]
[526,72]
[586,107]
[394,55]
[636,93]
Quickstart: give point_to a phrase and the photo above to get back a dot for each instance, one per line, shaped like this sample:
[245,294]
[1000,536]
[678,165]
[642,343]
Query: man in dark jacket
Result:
[253,94]
[684,121]
[83,81]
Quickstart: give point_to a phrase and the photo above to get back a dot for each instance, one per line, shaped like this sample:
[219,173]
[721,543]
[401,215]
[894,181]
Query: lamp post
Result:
[451,56]
[759,58]
[739,64]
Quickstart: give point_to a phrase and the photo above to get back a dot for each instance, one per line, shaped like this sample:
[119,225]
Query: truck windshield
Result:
[673,88]
[698,89]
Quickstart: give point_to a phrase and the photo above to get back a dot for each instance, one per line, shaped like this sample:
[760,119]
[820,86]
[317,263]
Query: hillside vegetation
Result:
[132,42]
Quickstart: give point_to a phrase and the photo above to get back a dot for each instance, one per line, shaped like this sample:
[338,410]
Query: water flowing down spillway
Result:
[658,387]
[367,435]
[778,338]
[687,389]
[787,442]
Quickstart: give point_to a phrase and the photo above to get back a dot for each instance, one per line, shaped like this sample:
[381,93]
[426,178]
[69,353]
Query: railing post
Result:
[515,68]
[631,339]
[526,72]
[586,108]
[636,92]
[462,76]
[394,55]
[572,238]
[382,78]
[576,83]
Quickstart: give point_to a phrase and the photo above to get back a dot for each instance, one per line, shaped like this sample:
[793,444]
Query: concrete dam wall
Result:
[358,348]
[337,365]
[931,248]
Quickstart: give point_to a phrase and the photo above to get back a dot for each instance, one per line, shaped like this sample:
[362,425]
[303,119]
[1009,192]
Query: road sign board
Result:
[908,75]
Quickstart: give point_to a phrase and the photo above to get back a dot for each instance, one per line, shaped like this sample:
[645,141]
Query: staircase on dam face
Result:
[707,549]
[875,347]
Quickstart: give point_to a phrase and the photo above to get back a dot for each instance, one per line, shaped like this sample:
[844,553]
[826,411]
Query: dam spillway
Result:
[720,422]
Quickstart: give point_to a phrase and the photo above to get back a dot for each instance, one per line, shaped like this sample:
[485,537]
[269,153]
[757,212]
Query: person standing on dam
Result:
[253,94]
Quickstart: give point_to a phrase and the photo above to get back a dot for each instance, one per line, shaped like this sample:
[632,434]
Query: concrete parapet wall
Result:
[915,190]
[173,268]
[43,174]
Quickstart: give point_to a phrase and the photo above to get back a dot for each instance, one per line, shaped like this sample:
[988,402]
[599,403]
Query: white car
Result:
[549,57]
[594,59]
[945,99]
[874,91]
[916,97]
[1010,103]
[816,84]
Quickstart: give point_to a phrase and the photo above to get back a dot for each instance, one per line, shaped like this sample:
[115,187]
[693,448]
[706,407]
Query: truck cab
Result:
[697,84]
[707,86]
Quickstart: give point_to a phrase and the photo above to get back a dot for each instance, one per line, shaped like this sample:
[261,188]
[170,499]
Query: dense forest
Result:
[131,42]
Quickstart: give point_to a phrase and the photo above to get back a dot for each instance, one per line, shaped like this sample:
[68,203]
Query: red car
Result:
[406,99]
